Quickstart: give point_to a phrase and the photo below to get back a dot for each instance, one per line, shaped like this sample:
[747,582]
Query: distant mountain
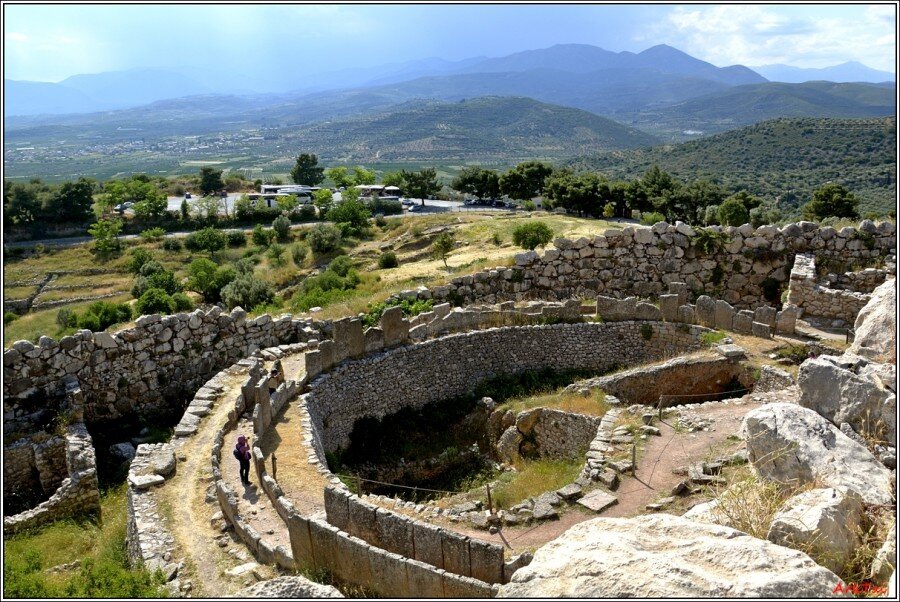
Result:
[98,92]
[852,71]
[479,129]
[583,58]
[786,158]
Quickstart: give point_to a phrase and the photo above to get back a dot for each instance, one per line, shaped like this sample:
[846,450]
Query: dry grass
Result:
[533,478]
[18,292]
[593,405]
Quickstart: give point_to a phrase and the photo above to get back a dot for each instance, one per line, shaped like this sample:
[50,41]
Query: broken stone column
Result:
[348,339]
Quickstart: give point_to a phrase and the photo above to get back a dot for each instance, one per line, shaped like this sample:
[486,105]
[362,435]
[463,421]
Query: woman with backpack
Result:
[242,453]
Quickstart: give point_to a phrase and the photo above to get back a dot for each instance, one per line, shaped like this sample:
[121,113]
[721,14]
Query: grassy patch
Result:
[33,325]
[100,547]
[533,478]
[593,405]
[18,292]
[713,338]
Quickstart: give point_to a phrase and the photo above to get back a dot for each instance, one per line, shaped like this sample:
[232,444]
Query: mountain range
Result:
[851,71]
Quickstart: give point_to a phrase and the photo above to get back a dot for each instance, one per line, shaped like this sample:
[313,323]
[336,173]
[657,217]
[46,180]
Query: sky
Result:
[258,43]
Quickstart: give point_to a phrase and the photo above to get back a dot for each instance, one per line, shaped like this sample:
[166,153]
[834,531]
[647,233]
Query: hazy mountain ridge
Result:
[851,71]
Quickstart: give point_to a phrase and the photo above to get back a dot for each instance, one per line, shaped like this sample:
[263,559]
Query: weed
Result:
[646,331]
[713,337]
[535,477]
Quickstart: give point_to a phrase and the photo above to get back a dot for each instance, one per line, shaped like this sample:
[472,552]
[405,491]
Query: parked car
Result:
[187,195]
[415,208]
[406,201]
[470,202]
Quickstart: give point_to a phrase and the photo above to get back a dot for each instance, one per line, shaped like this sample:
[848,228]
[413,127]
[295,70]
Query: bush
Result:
[351,216]
[653,217]
[732,212]
[109,313]
[139,257]
[155,301]
[207,239]
[532,234]
[276,255]
[153,234]
[262,237]
[10,316]
[340,265]
[609,210]
[298,254]
[323,238]
[380,221]
[151,267]
[306,213]
[497,239]
[410,309]
[529,206]
[66,318]
[386,207]
[236,238]
[182,302]
[245,265]
[208,279]
[163,280]
[388,260]
[247,291]
[282,228]
[171,244]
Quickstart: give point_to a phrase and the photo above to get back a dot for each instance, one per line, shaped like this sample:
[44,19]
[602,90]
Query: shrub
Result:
[410,309]
[246,265]
[182,302]
[497,239]
[529,206]
[155,301]
[106,237]
[708,241]
[713,337]
[380,221]
[10,316]
[732,212]
[208,279]
[282,228]
[208,239]
[646,332]
[351,216]
[171,244]
[151,267]
[652,217]
[139,257]
[388,260]
[306,213]
[66,318]
[532,234]
[247,291]
[236,238]
[276,254]
[386,207]
[153,234]
[609,210]
[298,254]
[442,246]
[163,280]
[323,238]
[340,265]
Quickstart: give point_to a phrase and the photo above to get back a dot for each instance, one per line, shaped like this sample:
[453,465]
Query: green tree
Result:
[732,212]
[392,178]
[661,189]
[323,200]
[306,170]
[690,201]
[584,193]
[361,175]
[442,246]
[207,239]
[247,291]
[282,228]
[532,234]
[210,181]
[765,214]
[482,183]
[20,203]
[276,255]
[71,202]
[351,216]
[155,301]
[420,184]
[287,203]
[208,279]
[831,200]
[185,210]
[106,236]
[339,176]
[323,238]
[526,180]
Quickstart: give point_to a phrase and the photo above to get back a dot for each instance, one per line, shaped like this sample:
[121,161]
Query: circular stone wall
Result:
[452,366]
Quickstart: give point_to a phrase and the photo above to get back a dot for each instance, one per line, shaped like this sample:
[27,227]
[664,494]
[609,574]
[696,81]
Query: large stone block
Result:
[680,289]
[337,508]
[326,349]
[427,540]
[761,330]
[765,315]
[424,581]
[686,314]
[706,311]
[313,361]
[456,554]
[395,532]
[742,323]
[724,315]
[323,538]
[486,560]
[395,327]
[457,587]
[362,520]
[668,306]
[786,320]
[353,559]
[389,574]
[646,311]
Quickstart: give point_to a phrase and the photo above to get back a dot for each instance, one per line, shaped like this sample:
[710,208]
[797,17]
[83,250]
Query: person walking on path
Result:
[242,453]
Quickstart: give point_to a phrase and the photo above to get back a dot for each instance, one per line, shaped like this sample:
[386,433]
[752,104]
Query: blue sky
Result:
[50,43]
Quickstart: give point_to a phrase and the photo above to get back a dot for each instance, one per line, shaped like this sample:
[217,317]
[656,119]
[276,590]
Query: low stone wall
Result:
[138,372]
[78,494]
[863,281]
[642,261]
[544,433]
[679,376]
[410,376]
[398,534]
[821,301]
[772,379]
[34,466]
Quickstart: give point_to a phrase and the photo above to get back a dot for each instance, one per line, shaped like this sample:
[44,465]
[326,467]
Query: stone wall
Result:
[863,281]
[642,261]
[139,372]
[413,376]
[33,467]
[821,301]
[78,493]
[679,376]
[399,534]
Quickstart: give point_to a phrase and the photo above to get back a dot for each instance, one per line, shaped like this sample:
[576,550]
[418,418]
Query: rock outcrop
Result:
[666,556]
[290,587]
[876,325]
[824,523]
[794,445]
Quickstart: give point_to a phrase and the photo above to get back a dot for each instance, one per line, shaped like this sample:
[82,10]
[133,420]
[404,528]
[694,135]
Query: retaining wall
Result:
[642,261]
[822,301]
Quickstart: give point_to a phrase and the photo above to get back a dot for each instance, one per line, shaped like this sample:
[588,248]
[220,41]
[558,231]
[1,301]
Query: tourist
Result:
[242,453]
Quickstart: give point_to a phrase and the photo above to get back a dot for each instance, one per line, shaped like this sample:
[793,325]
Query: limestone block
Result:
[680,289]
[389,574]
[487,561]
[668,306]
[763,331]
[337,508]
[394,326]
[765,315]
[313,361]
[742,323]
[395,532]
[424,581]
[724,315]
[686,314]
[298,531]
[646,311]
[326,351]
[706,311]
[457,587]
[786,320]
[456,554]
[362,520]
[427,540]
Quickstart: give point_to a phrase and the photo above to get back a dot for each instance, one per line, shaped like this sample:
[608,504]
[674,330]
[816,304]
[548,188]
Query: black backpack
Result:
[237,453]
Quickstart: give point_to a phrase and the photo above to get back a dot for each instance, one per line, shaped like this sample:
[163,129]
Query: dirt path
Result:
[185,495]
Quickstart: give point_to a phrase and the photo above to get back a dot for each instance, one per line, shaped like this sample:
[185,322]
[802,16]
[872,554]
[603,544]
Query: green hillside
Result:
[470,130]
[787,158]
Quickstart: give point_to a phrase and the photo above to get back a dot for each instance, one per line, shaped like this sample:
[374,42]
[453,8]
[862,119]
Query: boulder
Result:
[706,513]
[124,451]
[824,523]
[163,462]
[834,390]
[791,444]
[876,324]
[665,556]
[508,445]
[293,586]
[885,558]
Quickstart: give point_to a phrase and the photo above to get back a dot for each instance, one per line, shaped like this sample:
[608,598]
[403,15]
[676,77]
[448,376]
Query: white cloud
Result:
[804,36]
[15,36]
